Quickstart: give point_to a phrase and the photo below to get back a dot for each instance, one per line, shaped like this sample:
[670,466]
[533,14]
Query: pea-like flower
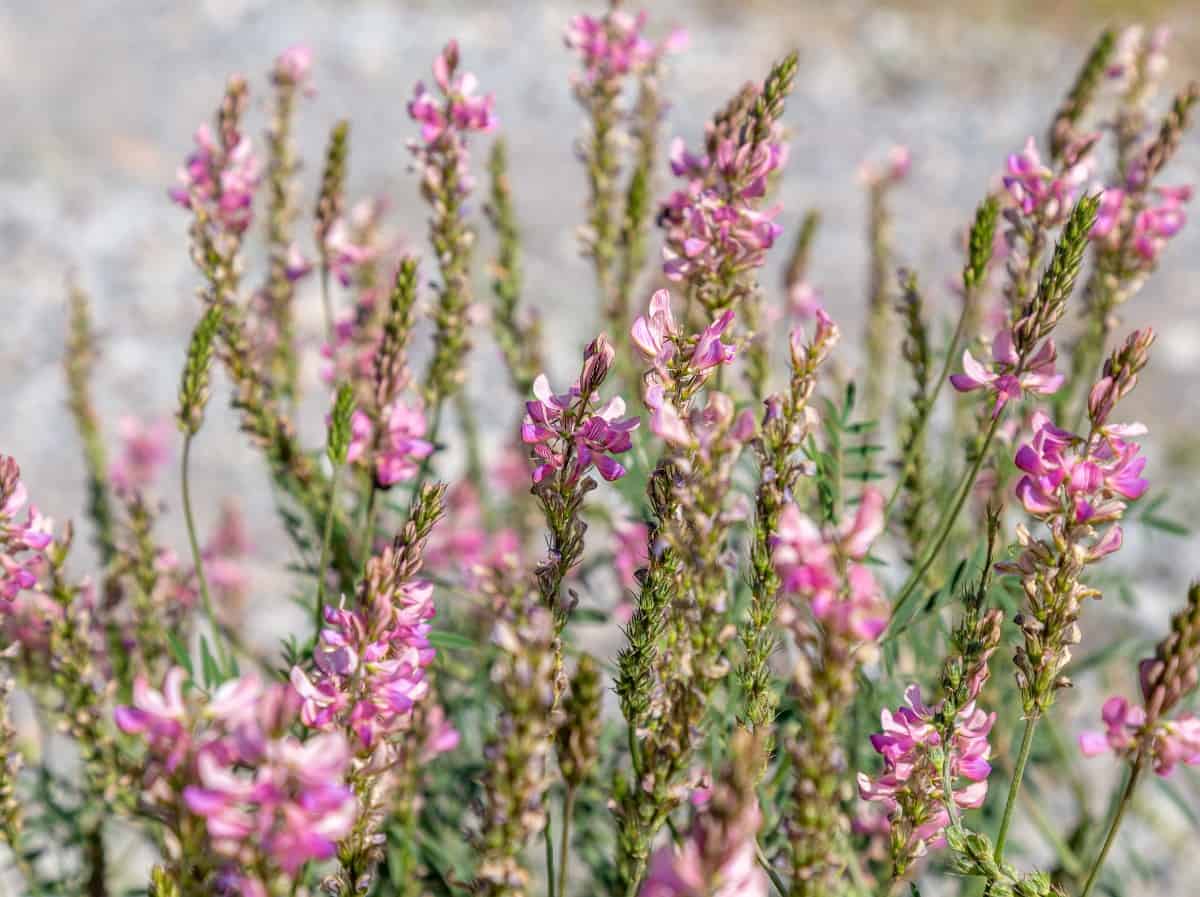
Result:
[1006,378]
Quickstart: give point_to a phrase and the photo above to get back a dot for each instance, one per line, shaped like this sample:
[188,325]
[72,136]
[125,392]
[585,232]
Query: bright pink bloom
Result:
[631,552]
[402,445]
[1093,479]
[144,452]
[613,45]
[1145,233]
[294,66]
[223,184]
[911,785]
[22,544]
[1036,190]
[370,666]
[566,427]
[1003,378]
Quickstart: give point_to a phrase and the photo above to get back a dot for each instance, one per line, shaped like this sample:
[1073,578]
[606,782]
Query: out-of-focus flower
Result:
[1037,190]
[807,559]
[1170,742]
[223,183]
[144,452]
[22,544]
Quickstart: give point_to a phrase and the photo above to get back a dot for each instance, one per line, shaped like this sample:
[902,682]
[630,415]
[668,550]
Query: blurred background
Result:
[99,101]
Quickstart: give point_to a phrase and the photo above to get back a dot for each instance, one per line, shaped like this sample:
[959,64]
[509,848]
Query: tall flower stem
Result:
[564,844]
[549,838]
[1135,773]
[1014,787]
[369,526]
[325,542]
[946,523]
[197,560]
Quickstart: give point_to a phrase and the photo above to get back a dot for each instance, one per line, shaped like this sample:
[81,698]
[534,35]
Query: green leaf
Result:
[451,641]
[212,671]
[180,652]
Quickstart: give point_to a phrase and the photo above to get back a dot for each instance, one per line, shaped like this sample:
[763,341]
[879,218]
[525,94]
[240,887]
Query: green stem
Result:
[369,527]
[1014,787]
[327,311]
[549,838]
[323,566]
[1130,784]
[431,436]
[946,523]
[565,841]
[780,887]
[197,560]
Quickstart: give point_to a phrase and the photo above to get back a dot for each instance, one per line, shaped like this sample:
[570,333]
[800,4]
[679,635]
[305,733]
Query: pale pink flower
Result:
[144,453]
[1170,742]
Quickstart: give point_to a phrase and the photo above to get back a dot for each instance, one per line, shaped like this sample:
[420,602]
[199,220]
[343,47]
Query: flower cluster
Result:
[22,545]
[1089,480]
[568,433]
[1037,190]
[714,228]
[399,446]
[613,46]
[808,562]
[1171,742]
[1007,378]
[447,118]
[1140,228]
[370,666]
[912,785]
[269,802]
[144,453]
[220,177]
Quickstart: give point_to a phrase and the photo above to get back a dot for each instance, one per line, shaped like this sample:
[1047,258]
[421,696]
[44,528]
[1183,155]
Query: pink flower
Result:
[806,559]
[345,256]
[1170,742]
[294,66]
[1036,190]
[222,181]
[566,429]
[370,666]
[911,785]
[1007,379]
[658,339]
[143,454]
[704,867]
[895,168]
[631,551]
[22,544]
[654,334]
[1092,479]
[459,109]
[613,46]
[159,716]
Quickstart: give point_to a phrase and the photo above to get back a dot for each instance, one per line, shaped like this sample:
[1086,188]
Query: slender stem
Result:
[565,841]
[1014,787]
[197,560]
[549,838]
[1130,784]
[327,311]
[947,521]
[780,888]
[431,435]
[323,566]
[369,528]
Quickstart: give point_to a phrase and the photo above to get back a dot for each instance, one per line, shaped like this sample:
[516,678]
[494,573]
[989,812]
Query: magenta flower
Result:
[1092,479]
[911,786]
[223,184]
[654,334]
[160,717]
[345,256]
[370,666]
[402,443]
[1006,378]
[1144,230]
[613,45]
[144,452]
[1036,189]
[22,544]
[1170,742]
[566,431]
[807,560]
[459,109]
